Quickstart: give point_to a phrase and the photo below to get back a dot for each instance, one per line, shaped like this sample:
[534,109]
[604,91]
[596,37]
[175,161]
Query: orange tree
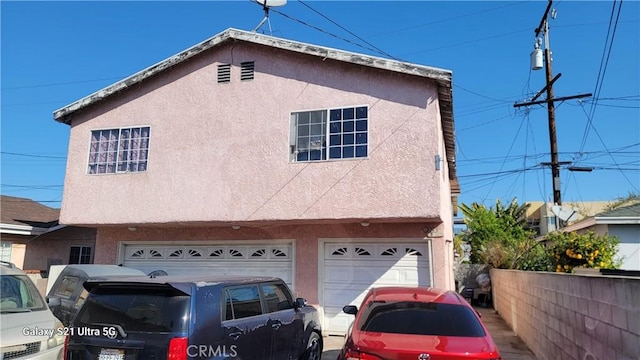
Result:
[570,250]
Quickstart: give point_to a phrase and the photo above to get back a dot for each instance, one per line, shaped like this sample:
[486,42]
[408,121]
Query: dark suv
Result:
[179,318]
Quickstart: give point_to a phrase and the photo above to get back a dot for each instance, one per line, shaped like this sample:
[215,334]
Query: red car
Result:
[414,323]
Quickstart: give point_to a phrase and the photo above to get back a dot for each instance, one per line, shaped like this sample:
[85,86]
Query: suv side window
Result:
[243,301]
[67,286]
[276,297]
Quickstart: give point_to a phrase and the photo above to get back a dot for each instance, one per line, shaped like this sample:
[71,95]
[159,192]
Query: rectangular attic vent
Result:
[224,73]
[247,70]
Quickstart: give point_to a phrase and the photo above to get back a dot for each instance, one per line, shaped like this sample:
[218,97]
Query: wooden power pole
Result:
[550,101]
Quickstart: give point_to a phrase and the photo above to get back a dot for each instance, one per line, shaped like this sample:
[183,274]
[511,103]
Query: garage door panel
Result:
[224,259]
[351,269]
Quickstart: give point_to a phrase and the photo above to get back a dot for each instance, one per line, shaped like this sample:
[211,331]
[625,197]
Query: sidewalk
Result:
[509,344]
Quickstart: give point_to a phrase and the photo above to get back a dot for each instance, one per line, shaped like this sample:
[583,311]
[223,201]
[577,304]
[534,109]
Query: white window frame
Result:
[81,247]
[327,133]
[116,155]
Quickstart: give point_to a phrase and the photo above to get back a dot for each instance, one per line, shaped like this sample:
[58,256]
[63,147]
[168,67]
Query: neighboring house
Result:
[251,154]
[540,216]
[623,223]
[33,240]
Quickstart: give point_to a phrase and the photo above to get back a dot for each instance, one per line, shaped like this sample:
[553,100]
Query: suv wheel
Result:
[314,347]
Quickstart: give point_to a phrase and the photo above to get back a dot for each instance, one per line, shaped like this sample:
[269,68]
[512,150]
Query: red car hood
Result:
[409,347]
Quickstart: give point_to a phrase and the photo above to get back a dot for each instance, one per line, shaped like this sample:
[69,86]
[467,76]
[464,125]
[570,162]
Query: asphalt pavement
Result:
[509,344]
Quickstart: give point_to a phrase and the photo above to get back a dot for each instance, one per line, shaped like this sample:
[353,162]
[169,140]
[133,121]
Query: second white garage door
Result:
[219,258]
[352,268]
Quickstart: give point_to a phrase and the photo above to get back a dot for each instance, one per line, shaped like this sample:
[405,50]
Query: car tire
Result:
[314,347]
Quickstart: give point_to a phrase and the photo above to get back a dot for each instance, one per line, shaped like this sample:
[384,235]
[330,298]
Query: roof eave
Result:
[622,220]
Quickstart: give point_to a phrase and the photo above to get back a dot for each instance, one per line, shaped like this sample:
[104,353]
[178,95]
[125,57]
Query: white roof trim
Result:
[27,230]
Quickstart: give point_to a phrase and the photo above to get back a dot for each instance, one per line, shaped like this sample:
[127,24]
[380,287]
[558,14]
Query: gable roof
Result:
[23,216]
[442,77]
[628,215]
[631,212]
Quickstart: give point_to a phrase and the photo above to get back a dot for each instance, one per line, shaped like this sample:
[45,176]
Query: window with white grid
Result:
[329,134]
[119,150]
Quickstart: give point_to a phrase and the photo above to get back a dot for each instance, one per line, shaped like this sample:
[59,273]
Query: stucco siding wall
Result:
[305,241]
[566,316]
[56,246]
[220,152]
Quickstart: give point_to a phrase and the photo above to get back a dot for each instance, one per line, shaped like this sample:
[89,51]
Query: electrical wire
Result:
[348,31]
[604,62]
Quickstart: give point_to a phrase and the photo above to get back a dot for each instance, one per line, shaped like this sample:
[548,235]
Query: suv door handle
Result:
[276,325]
[235,335]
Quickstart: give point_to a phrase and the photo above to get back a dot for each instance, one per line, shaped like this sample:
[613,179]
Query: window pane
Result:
[421,319]
[361,151]
[303,156]
[347,126]
[317,117]
[275,298]
[334,140]
[316,142]
[335,115]
[348,152]
[335,153]
[361,125]
[303,130]
[335,127]
[315,155]
[348,114]
[348,139]
[361,138]
[317,129]
[304,118]
[245,302]
[303,143]
[74,255]
[361,112]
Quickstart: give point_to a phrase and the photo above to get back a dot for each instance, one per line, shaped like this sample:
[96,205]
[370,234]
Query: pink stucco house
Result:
[251,154]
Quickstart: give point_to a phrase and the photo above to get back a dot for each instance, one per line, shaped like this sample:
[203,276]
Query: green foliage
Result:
[499,237]
[457,246]
[570,250]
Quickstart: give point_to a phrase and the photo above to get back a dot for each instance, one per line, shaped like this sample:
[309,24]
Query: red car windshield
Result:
[420,318]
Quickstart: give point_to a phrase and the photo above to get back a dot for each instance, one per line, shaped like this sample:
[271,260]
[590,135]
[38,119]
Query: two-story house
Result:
[251,154]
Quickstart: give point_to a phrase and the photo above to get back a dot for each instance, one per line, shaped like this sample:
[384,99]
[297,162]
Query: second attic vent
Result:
[224,73]
[247,70]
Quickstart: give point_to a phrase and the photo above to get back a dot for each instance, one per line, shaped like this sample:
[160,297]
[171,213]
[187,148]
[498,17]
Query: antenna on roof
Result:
[266,4]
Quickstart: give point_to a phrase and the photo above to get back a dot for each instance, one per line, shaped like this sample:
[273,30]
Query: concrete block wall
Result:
[567,316]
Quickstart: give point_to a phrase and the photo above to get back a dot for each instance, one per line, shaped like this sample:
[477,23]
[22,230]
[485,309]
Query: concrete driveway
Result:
[332,346]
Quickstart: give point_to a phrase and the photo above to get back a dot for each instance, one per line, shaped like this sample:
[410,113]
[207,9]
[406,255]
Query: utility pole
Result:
[550,101]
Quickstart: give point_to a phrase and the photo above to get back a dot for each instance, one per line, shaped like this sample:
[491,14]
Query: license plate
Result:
[111,354]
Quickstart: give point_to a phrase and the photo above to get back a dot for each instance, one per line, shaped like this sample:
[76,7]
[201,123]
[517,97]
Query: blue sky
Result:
[54,53]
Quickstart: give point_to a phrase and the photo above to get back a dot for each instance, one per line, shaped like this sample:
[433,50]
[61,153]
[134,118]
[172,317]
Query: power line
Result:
[345,29]
[326,32]
[33,155]
[447,19]
[604,62]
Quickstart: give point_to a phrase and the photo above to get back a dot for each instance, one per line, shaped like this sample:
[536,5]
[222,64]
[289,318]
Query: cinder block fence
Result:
[567,316]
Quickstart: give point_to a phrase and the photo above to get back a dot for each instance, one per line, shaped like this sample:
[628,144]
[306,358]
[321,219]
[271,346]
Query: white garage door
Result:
[252,259]
[351,269]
